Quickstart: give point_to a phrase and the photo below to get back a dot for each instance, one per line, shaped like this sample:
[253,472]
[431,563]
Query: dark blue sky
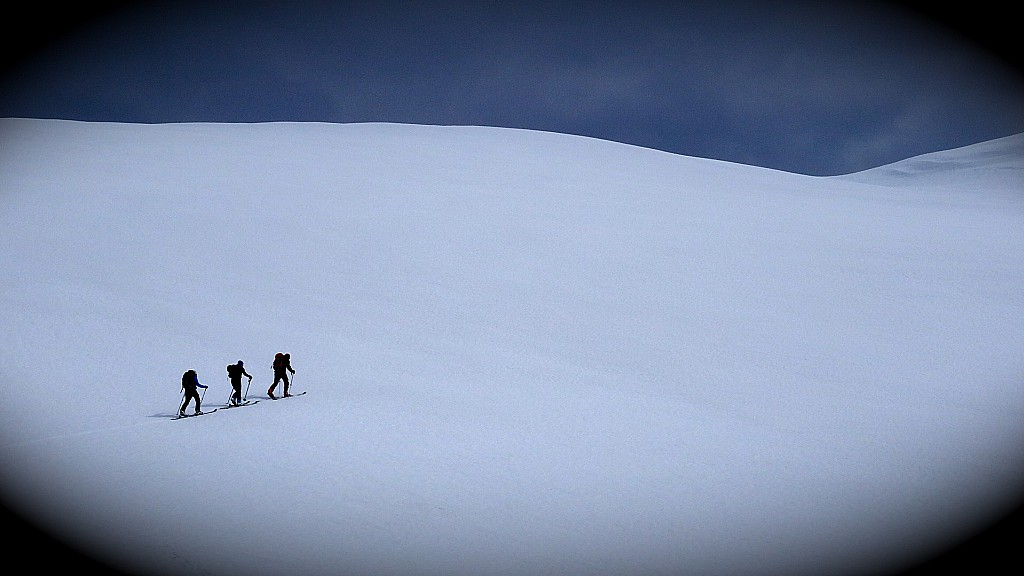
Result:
[811,87]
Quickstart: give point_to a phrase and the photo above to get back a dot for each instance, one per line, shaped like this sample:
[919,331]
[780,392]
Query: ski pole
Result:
[181,402]
[246,397]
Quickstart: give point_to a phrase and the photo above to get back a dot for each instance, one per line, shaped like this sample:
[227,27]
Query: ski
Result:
[246,403]
[290,395]
[183,416]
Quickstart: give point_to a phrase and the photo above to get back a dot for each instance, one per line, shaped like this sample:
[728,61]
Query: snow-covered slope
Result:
[526,353]
[987,166]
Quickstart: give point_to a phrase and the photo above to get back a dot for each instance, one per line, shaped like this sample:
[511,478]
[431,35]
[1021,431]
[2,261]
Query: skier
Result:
[235,373]
[190,382]
[282,365]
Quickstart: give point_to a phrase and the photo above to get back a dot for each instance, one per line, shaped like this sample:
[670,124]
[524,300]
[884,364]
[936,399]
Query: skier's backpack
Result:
[233,371]
[278,361]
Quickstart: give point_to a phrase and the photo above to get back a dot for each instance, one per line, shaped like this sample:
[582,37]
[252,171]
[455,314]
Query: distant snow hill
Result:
[1000,160]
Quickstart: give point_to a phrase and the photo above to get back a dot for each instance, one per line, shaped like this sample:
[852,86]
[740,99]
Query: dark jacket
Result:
[283,363]
[190,380]
[236,371]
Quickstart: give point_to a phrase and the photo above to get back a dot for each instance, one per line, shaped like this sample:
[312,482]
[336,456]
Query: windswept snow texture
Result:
[526,353]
